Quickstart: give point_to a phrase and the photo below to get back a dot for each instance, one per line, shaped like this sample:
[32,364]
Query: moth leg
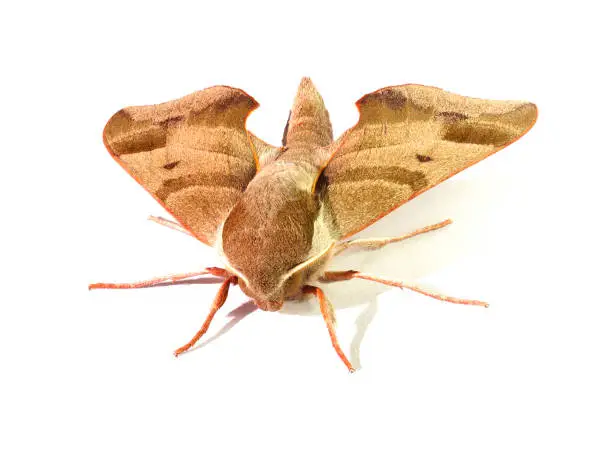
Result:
[376,243]
[331,276]
[170,224]
[151,282]
[330,320]
[217,304]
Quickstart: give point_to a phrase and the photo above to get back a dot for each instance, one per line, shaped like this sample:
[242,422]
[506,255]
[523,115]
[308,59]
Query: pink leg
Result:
[328,314]
[331,276]
[217,304]
[170,278]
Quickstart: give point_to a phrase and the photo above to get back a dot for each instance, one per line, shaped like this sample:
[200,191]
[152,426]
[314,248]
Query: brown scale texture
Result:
[408,139]
[192,154]
[282,207]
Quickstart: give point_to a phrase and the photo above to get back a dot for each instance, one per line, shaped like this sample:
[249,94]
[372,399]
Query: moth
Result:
[278,215]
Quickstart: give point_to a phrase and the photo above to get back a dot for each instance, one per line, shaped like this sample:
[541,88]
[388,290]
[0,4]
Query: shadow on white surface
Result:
[471,204]
[362,323]
[236,315]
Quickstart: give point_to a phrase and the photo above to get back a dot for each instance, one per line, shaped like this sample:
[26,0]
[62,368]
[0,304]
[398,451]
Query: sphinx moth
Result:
[277,215]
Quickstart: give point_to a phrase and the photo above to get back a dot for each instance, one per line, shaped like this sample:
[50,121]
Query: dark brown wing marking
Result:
[192,154]
[407,140]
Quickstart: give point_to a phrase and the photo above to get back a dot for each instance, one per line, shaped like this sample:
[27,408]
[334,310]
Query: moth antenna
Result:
[160,279]
[332,276]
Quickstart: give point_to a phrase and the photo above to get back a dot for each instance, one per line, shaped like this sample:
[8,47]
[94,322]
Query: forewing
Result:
[408,139]
[192,154]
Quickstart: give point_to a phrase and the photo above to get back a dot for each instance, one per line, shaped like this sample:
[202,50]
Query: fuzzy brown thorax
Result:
[270,229]
[269,237]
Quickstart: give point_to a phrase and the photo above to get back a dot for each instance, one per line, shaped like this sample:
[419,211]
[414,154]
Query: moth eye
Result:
[171,165]
[423,158]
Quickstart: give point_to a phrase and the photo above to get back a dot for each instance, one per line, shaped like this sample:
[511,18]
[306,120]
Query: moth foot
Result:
[180,350]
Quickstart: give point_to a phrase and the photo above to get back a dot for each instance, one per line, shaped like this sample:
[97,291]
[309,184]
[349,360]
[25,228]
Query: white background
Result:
[92,373]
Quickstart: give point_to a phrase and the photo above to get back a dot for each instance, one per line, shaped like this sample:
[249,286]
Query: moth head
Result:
[270,287]
[267,281]
[288,285]
[272,302]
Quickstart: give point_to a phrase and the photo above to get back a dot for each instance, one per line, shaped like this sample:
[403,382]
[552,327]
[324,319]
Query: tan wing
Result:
[192,154]
[408,139]
[266,153]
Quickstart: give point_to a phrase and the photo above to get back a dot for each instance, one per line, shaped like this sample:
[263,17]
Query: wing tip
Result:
[530,115]
[535,113]
[110,128]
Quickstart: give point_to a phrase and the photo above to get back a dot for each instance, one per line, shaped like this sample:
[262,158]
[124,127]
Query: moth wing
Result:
[407,140]
[266,153]
[192,154]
